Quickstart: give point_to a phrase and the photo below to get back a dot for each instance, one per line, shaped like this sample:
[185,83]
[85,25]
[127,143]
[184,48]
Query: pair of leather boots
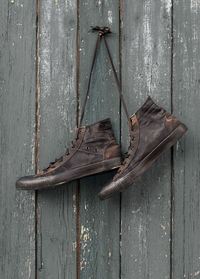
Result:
[95,150]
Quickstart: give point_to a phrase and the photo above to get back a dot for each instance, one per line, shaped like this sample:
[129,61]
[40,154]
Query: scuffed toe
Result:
[108,191]
[32,182]
[24,183]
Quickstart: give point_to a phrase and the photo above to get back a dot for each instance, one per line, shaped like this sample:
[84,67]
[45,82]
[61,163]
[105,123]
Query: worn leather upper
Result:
[150,126]
[92,144]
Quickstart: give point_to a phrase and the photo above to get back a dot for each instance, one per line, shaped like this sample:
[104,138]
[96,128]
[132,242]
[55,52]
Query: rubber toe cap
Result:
[30,182]
[108,191]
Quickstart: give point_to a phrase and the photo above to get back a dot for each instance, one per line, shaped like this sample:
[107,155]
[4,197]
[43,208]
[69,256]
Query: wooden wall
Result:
[153,229]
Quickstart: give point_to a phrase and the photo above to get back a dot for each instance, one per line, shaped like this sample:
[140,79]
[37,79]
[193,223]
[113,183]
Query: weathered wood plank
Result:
[58,102]
[186,99]
[146,56]
[17,137]
[99,220]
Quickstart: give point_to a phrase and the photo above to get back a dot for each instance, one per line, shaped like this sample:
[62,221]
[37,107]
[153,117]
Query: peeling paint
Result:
[85,238]
[29,270]
[85,205]
[163,227]
[74,246]
[33,150]
[167,5]
[147,42]
[136,211]
[194,5]
[110,17]
[197,273]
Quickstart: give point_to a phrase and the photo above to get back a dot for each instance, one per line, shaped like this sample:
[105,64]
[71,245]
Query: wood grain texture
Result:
[58,102]
[146,70]
[186,100]
[127,237]
[99,221]
[17,137]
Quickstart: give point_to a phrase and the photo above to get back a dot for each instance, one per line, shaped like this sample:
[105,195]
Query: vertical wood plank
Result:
[99,221]
[17,137]
[146,56]
[58,102]
[186,99]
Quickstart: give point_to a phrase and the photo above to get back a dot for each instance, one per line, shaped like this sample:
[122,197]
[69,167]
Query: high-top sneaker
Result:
[93,150]
[153,131]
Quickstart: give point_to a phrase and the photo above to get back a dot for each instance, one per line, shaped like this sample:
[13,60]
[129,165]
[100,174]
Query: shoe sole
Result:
[106,165]
[126,181]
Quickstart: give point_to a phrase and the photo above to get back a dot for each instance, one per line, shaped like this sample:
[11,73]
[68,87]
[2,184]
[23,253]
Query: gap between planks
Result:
[172,149]
[37,120]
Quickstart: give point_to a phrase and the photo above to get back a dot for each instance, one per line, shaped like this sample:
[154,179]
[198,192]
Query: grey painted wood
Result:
[99,221]
[58,102]
[186,99]
[146,56]
[143,232]
[17,136]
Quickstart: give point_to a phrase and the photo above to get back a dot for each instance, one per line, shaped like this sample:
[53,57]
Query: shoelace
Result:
[67,153]
[126,157]
[127,154]
[102,32]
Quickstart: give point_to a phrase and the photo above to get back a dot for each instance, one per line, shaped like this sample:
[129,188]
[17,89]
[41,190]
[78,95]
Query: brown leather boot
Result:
[93,150]
[153,131]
